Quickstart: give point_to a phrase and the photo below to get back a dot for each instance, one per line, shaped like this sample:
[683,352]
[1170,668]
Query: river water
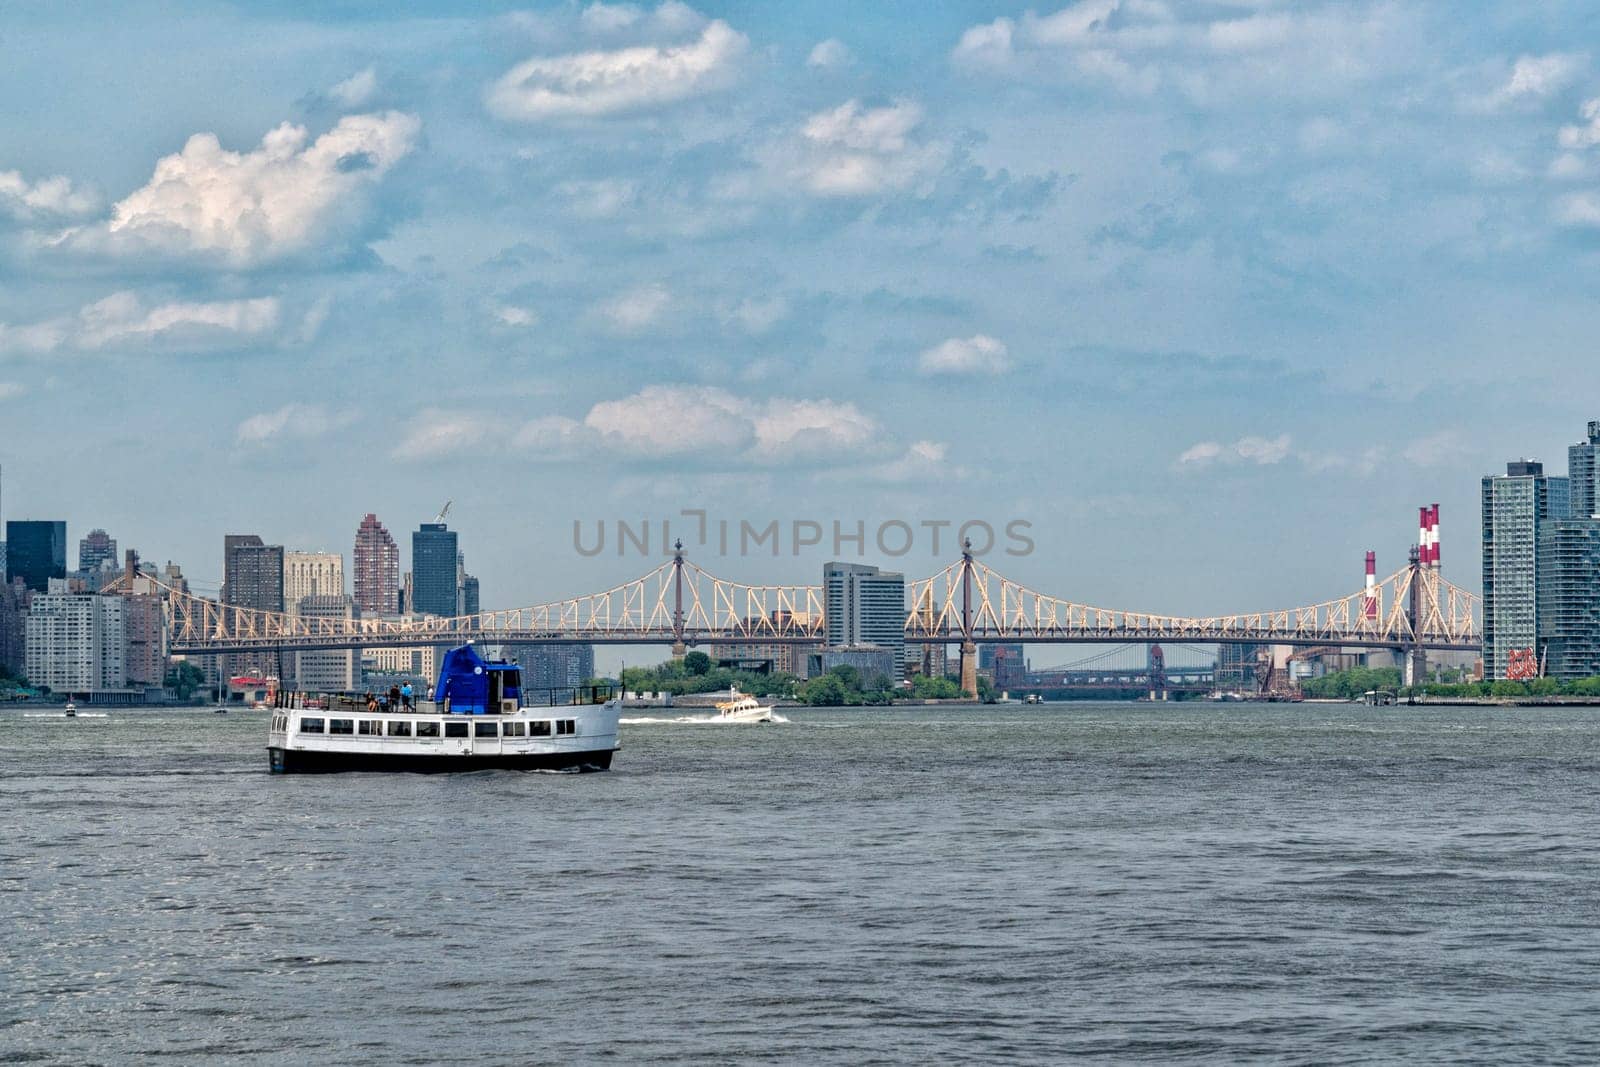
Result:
[1219,882]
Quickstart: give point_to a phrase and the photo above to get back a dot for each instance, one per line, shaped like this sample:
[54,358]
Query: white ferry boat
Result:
[479,718]
[741,707]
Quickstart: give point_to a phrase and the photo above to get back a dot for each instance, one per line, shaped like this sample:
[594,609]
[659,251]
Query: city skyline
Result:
[837,273]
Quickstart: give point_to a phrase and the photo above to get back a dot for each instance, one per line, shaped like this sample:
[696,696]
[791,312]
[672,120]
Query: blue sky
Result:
[1213,294]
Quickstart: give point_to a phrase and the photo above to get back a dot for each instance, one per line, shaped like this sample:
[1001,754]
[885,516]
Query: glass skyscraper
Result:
[865,606]
[1569,597]
[36,552]
[1583,466]
[1516,507]
[434,569]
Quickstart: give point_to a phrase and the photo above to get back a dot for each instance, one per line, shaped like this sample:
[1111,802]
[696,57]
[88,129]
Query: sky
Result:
[1211,295]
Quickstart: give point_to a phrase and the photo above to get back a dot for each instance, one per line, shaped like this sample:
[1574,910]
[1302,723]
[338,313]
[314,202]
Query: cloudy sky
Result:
[1211,293]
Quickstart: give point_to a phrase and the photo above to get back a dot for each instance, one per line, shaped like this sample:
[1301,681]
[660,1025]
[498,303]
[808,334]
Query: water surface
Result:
[1011,884]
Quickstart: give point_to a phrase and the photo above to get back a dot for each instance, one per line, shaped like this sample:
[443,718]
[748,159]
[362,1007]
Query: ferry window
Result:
[402,729]
[566,726]
[427,729]
[486,729]
[311,726]
[539,729]
[516,729]
[455,729]
[341,726]
[370,727]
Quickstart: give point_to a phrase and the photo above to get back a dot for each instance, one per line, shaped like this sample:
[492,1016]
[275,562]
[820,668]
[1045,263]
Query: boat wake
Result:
[64,715]
[695,720]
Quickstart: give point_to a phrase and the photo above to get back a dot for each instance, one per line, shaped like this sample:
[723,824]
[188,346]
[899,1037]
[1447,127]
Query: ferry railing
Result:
[356,703]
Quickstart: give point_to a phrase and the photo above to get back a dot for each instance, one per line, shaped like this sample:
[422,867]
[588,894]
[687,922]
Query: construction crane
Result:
[443,511]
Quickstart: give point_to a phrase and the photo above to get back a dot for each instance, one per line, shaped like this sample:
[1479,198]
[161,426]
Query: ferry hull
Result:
[301,761]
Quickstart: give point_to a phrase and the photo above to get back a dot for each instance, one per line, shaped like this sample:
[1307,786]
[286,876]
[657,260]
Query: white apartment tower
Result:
[311,574]
[76,641]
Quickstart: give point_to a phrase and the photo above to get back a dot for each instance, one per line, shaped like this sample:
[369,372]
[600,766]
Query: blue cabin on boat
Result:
[471,685]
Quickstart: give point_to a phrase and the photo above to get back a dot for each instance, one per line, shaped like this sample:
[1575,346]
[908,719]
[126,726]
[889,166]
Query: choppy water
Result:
[1304,884]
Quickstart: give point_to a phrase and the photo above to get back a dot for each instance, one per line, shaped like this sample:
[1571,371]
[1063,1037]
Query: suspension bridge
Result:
[679,603]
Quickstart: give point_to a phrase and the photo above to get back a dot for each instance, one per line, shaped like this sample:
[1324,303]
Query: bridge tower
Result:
[969,650]
[1416,657]
[679,649]
[1156,671]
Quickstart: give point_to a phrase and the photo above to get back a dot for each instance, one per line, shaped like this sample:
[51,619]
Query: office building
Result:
[36,552]
[1583,468]
[470,596]
[375,565]
[1568,598]
[144,641]
[76,641]
[385,664]
[1516,506]
[252,573]
[434,569]
[1005,664]
[552,666]
[1236,667]
[97,552]
[865,606]
[319,574]
[330,670]
[14,598]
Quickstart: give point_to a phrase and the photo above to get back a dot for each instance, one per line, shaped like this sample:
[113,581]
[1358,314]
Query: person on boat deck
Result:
[394,698]
[406,693]
[372,702]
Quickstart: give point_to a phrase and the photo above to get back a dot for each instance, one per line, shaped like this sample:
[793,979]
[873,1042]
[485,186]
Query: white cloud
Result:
[1537,77]
[10,390]
[292,421]
[1579,209]
[509,315]
[1262,451]
[356,90]
[595,83]
[248,208]
[46,198]
[1200,50]
[924,462]
[636,309]
[661,421]
[609,18]
[757,316]
[1587,135]
[851,151]
[124,318]
[978,354]
[1437,449]
[829,53]
[598,199]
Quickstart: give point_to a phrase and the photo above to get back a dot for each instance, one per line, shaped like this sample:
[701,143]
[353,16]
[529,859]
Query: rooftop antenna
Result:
[443,511]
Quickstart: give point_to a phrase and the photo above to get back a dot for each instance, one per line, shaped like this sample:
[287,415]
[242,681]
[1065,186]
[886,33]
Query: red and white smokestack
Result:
[1370,607]
[1433,537]
[1424,520]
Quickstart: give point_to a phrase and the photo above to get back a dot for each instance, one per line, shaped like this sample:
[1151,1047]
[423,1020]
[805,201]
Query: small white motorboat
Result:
[72,710]
[741,707]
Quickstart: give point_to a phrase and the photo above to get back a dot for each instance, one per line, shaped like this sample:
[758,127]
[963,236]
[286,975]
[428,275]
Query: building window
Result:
[341,726]
[311,726]
[455,729]
[539,729]
[401,729]
[427,729]
[516,729]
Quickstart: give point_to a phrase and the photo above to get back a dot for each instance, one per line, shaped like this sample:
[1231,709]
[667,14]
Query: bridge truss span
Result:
[969,600]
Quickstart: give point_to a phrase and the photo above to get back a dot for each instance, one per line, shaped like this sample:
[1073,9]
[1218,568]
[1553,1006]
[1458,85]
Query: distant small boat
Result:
[220,709]
[741,707]
[72,710]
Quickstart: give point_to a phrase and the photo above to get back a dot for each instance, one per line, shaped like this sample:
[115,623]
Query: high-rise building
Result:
[864,606]
[36,551]
[1516,506]
[1583,470]
[97,552]
[145,640]
[1005,663]
[329,671]
[1569,597]
[376,565]
[434,567]
[76,641]
[470,596]
[311,574]
[552,666]
[14,598]
[252,573]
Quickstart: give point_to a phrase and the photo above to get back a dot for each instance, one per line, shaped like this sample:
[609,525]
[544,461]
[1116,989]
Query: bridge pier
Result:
[969,670]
